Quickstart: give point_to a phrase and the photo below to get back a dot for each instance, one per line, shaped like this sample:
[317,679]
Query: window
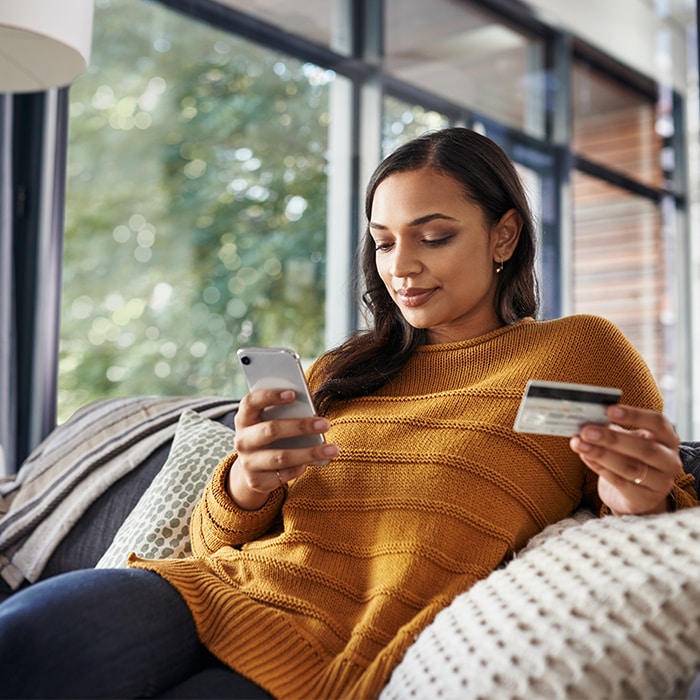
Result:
[615,125]
[455,51]
[317,20]
[216,173]
[619,265]
[624,263]
[403,122]
[196,215]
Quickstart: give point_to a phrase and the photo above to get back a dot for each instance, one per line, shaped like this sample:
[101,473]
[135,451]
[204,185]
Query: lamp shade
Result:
[43,43]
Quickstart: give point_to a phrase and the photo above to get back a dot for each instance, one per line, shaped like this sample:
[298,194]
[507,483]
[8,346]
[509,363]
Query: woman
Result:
[312,581]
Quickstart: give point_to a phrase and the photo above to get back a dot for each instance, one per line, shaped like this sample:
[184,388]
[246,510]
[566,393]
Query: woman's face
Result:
[436,254]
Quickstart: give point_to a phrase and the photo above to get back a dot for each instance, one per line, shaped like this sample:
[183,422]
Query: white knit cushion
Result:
[158,526]
[606,608]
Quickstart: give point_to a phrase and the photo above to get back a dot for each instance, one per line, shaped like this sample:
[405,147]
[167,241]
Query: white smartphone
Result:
[280,368]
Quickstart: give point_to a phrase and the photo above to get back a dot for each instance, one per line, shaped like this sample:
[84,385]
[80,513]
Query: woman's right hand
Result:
[260,468]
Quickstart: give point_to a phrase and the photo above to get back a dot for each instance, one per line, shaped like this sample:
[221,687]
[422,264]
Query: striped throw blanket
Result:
[77,463]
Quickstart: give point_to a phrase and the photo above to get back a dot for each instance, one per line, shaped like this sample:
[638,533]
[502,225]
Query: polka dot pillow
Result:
[158,526]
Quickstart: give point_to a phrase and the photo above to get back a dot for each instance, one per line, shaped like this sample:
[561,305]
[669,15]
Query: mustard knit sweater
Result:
[320,592]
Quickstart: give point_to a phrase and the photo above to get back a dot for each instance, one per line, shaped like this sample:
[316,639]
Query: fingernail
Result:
[592,434]
[331,451]
[578,445]
[616,412]
[321,424]
[287,395]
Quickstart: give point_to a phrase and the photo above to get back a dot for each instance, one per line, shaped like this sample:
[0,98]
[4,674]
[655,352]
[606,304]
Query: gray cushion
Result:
[690,456]
[95,531]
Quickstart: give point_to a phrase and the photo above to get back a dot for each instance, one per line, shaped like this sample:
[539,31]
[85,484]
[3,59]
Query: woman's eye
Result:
[437,242]
[378,246]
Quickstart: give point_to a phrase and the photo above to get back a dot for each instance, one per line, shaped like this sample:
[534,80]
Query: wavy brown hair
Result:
[370,358]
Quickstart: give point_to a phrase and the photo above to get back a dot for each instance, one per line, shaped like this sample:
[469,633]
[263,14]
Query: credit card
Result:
[559,408]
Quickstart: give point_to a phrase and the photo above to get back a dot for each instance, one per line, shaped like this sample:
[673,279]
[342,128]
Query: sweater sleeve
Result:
[683,494]
[630,373]
[218,522]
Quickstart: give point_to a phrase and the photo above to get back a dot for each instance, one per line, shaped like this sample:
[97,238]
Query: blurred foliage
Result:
[196,208]
[402,122]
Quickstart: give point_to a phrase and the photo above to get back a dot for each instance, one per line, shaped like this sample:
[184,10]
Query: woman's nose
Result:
[405,261]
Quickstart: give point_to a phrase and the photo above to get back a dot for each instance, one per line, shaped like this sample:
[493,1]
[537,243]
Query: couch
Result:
[591,608]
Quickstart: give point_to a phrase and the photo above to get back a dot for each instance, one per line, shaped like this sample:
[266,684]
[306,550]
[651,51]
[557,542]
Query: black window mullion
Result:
[266,34]
[40,136]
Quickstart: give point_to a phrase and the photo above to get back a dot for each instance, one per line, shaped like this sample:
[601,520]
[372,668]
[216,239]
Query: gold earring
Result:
[499,267]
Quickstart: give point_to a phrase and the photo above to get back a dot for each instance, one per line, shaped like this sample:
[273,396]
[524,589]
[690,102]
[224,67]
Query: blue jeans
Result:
[103,633]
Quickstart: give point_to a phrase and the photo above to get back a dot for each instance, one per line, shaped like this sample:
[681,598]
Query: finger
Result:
[267,469]
[613,446]
[623,472]
[648,492]
[253,404]
[288,460]
[643,482]
[262,473]
[654,467]
[262,434]
[283,476]
[625,451]
[636,465]
[655,424]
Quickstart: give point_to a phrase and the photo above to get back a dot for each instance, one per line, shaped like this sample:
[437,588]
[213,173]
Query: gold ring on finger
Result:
[643,476]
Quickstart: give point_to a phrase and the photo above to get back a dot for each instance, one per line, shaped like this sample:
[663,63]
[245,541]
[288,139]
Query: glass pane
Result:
[196,208]
[403,122]
[466,56]
[615,126]
[620,267]
[317,20]
[532,182]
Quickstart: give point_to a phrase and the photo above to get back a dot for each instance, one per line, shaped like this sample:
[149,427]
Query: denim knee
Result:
[96,633]
[20,640]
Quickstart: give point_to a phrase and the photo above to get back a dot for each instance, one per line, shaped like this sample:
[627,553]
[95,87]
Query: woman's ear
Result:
[506,234]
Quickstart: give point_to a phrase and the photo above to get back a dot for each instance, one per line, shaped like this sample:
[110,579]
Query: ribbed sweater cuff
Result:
[232,523]
[683,492]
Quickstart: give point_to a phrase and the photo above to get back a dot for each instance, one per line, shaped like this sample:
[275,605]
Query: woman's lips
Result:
[414,297]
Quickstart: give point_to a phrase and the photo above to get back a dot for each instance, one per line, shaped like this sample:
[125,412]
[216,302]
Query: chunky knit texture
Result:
[319,593]
[590,609]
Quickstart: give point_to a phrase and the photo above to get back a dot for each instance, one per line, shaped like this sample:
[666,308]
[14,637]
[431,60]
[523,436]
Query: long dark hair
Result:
[371,358]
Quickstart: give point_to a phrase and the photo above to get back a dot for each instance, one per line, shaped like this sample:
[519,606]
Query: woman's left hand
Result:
[636,467]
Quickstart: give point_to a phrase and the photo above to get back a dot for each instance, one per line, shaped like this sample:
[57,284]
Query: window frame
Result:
[30,405]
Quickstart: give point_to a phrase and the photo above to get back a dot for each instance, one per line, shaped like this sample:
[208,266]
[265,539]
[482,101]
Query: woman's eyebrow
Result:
[417,222]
